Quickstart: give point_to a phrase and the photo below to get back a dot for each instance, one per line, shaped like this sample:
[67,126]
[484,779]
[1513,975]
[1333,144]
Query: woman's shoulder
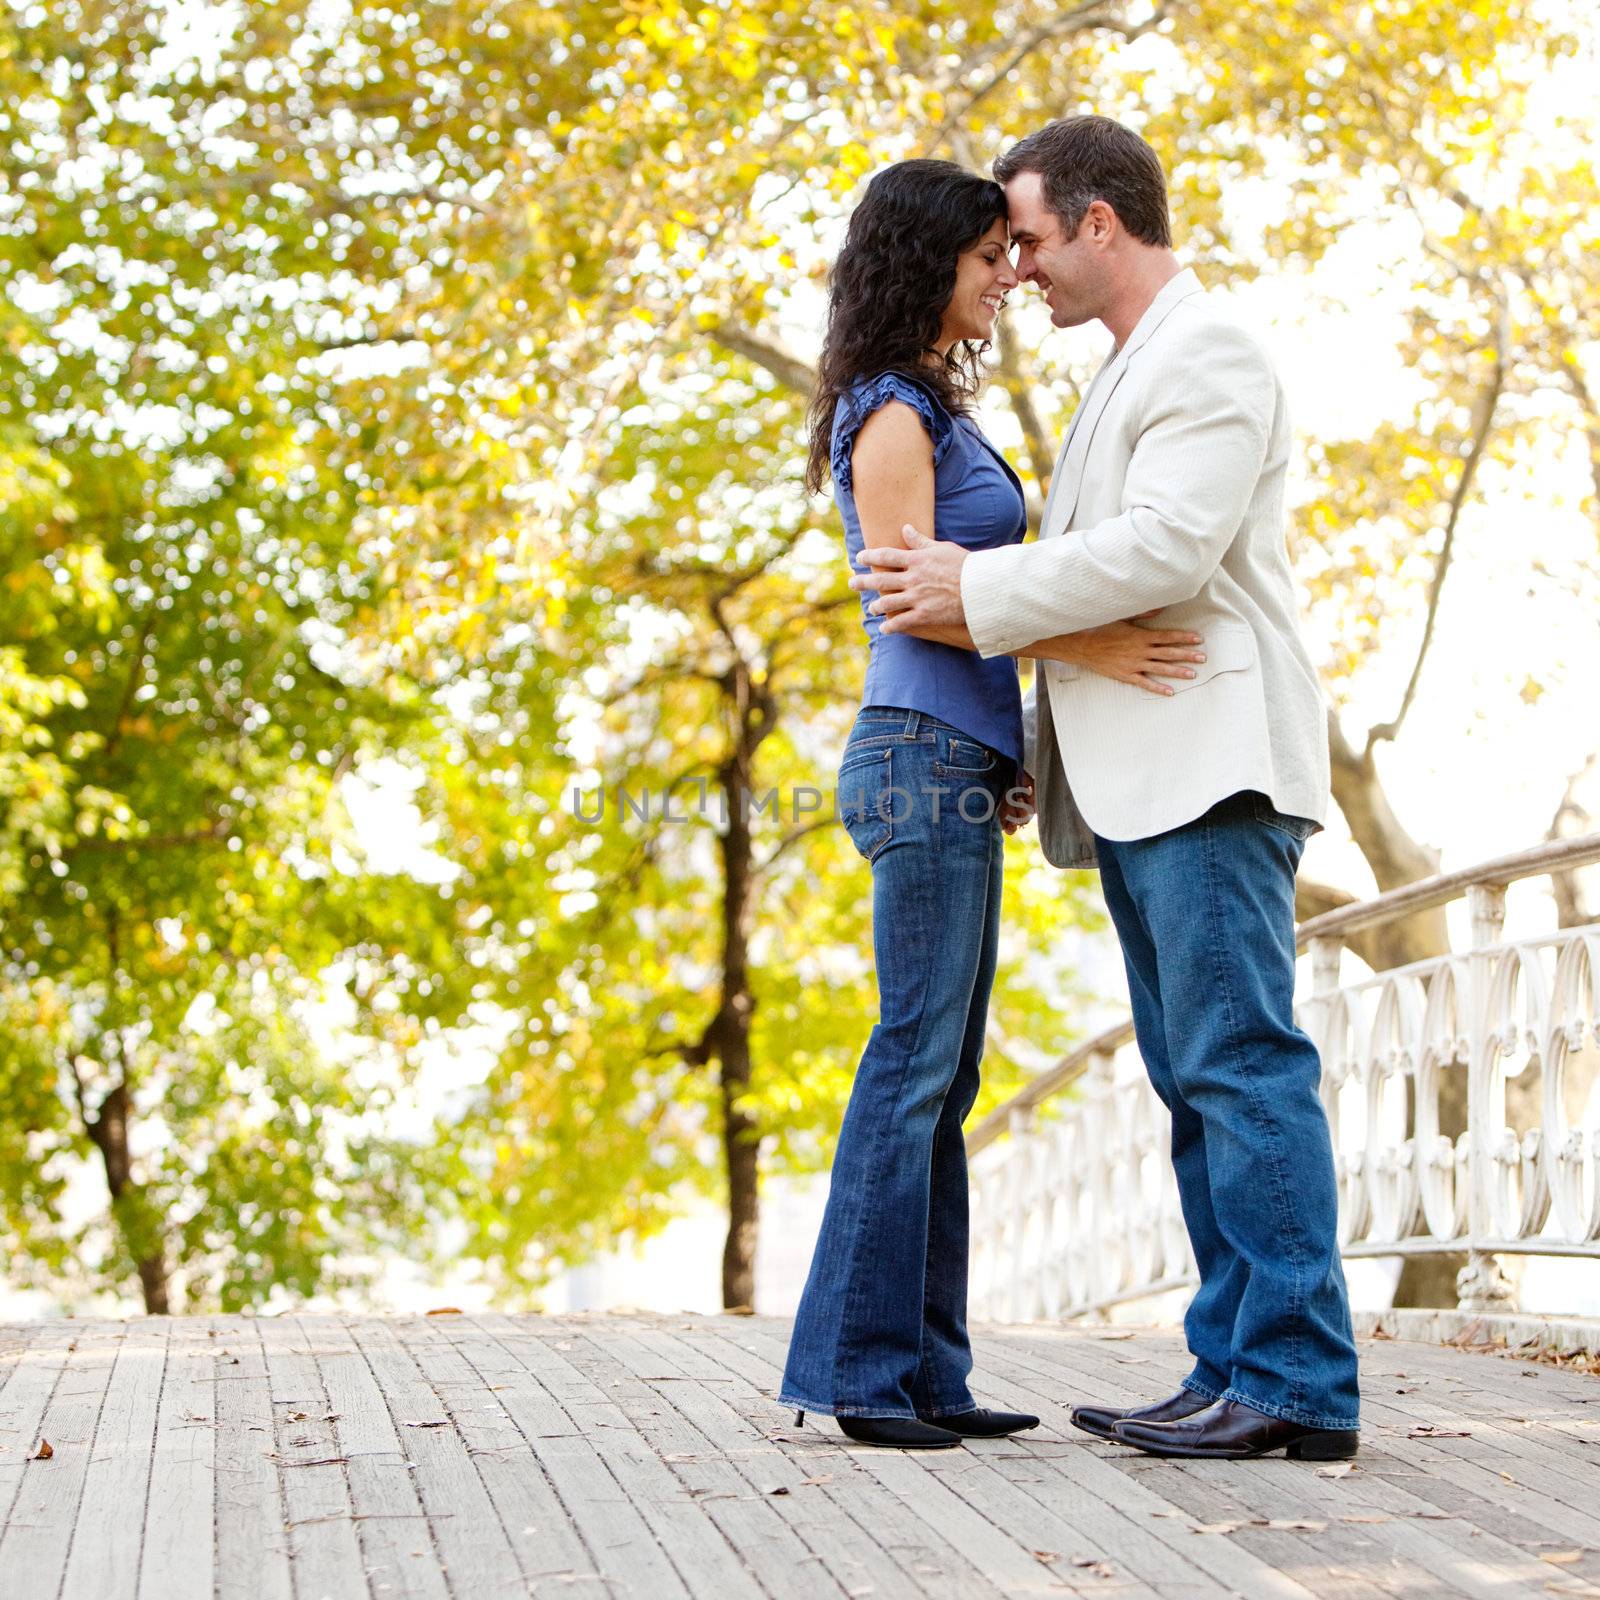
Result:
[875,389]
[871,393]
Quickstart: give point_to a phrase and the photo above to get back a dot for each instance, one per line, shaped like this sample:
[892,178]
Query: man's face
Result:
[1067,270]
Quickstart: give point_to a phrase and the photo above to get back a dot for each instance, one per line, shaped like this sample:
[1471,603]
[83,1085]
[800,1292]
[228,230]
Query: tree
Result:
[180,694]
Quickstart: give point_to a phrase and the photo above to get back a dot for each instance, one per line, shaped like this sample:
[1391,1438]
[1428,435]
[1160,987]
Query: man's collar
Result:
[1179,286]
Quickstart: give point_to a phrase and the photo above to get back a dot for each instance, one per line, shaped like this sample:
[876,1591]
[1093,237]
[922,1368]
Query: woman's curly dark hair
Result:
[891,284]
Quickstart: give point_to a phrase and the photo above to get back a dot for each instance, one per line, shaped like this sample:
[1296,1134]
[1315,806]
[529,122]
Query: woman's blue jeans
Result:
[1205,915]
[882,1325]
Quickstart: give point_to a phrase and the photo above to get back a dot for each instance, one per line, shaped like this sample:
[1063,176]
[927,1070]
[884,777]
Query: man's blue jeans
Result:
[1205,914]
[882,1325]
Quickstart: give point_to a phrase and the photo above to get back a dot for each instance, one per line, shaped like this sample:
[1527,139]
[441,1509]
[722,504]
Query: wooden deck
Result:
[322,1458]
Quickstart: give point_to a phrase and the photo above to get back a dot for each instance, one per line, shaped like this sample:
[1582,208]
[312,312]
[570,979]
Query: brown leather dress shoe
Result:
[1229,1431]
[1100,1420]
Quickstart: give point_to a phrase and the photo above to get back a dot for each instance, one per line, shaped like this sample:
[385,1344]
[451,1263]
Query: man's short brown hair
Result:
[1083,159]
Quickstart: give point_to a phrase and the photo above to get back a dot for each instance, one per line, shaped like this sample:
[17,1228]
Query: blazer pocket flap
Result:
[1227,649]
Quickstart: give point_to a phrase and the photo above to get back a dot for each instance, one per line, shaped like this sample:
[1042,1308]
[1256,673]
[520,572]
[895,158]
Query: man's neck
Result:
[1151,272]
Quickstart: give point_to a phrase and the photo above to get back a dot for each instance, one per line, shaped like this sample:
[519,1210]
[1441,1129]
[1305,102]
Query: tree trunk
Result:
[730,1029]
[140,1229]
[1572,906]
[1396,859]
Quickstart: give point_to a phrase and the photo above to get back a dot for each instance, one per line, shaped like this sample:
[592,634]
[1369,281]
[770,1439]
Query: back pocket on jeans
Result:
[865,795]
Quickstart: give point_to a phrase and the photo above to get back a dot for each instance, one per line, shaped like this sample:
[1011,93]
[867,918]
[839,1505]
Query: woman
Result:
[930,779]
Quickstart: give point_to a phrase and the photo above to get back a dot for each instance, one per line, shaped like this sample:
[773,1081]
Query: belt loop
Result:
[913,722]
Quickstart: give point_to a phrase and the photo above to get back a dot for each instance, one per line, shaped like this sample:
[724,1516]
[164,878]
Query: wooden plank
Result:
[728,1537]
[1496,1464]
[471,1544]
[1247,1570]
[919,1550]
[1518,1430]
[824,1468]
[972,1506]
[391,1522]
[1178,1501]
[252,1542]
[1440,1555]
[640,1454]
[27,1396]
[732,1453]
[324,1550]
[1209,1493]
[103,1562]
[177,1556]
[622,1499]
[531,1512]
[16,1339]
[36,1539]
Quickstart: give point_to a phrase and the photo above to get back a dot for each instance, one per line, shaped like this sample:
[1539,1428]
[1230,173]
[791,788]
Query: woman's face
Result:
[984,276]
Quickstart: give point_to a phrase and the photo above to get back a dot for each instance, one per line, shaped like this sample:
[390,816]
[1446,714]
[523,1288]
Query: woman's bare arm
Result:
[891,470]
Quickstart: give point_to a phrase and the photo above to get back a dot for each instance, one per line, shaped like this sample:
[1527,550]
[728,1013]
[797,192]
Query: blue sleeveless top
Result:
[978,503]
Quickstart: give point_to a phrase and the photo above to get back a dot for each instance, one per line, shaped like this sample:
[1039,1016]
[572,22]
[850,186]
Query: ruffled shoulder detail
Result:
[861,400]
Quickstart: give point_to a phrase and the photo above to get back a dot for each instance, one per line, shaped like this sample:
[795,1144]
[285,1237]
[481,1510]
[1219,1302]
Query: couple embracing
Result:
[1174,738]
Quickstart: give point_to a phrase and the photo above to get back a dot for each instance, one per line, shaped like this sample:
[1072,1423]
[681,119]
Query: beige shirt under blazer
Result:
[1168,493]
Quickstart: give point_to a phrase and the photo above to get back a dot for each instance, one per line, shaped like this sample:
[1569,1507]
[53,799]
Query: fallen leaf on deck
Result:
[1094,1564]
[1562,1558]
[444,1311]
[1426,1430]
[1124,1333]
[680,1455]
[1380,1517]
[41,1451]
[782,1488]
[434,1422]
[1292,1525]
[1217,1527]
[1047,1556]
[1336,1469]
[826,1477]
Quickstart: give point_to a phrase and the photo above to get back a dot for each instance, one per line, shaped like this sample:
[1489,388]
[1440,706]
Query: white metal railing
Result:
[1074,1204]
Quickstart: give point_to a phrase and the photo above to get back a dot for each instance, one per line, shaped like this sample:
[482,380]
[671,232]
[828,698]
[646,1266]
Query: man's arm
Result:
[1193,472]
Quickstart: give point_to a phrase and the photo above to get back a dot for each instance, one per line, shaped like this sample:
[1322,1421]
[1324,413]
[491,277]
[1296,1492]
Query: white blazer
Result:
[1168,493]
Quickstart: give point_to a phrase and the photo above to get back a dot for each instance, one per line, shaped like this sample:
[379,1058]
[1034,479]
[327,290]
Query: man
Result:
[1168,496]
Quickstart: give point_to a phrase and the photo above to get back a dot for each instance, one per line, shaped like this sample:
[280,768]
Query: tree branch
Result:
[792,837]
[1488,402]
[1082,18]
[1581,392]
[784,365]
[1018,386]
[1572,909]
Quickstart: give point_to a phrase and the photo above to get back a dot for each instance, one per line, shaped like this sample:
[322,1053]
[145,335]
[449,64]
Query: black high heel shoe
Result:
[893,1433]
[985,1424]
